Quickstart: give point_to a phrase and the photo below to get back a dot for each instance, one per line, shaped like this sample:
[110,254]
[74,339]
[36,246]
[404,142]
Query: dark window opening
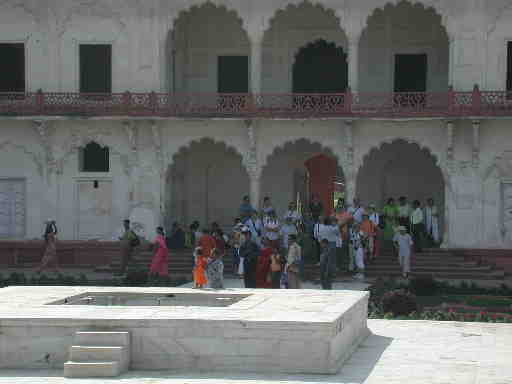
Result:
[233,74]
[95,68]
[411,73]
[94,158]
[320,67]
[509,69]
[411,80]
[12,67]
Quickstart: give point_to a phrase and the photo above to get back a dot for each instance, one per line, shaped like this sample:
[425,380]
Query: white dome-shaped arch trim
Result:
[286,142]
[229,146]
[232,7]
[433,5]
[288,5]
[436,155]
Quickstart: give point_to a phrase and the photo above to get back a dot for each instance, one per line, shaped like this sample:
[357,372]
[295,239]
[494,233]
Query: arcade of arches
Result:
[208,180]
[404,47]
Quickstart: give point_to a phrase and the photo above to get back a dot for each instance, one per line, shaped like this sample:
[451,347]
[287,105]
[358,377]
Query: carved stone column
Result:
[476,144]
[450,139]
[256,63]
[252,165]
[156,135]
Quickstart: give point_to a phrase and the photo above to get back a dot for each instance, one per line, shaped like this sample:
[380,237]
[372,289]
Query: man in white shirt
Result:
[272,229]
[330,232]
[357,211]
[287,229]
[417,225]
[403,244]
[292,213]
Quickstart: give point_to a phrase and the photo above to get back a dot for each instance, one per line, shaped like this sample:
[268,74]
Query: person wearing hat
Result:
[403,245]
[249,252]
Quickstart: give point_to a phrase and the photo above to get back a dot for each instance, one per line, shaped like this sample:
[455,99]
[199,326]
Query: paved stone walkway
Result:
[405,352]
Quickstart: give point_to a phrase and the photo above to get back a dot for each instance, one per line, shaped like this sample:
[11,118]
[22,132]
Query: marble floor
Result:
[397,352]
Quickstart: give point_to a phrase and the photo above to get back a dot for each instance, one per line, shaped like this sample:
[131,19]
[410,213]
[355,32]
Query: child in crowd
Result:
[200,264]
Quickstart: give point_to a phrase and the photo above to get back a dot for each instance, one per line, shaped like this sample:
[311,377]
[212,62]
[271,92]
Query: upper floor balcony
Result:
[450,104]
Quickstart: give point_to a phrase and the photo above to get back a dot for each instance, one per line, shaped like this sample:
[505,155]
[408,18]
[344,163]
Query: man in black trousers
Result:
[249,251]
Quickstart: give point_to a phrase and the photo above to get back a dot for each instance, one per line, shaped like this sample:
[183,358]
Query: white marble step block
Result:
[103,353]
[102,338]
[92,369]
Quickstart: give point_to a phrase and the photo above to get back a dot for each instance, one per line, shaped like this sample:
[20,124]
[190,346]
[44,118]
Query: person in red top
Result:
[263,276]
[207,243]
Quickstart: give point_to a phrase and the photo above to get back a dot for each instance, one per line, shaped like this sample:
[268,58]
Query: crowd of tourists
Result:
[270,251]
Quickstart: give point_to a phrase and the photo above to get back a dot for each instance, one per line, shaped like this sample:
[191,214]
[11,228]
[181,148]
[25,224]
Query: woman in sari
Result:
[390,216]
[50,253]
[160,262]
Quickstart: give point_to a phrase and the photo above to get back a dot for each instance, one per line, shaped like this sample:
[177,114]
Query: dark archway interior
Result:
[401,169]
[206,183]
[293,169]
[320,67]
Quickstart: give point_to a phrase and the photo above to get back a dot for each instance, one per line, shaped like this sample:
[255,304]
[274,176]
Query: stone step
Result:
[92,369]
[80,353]
[102,339]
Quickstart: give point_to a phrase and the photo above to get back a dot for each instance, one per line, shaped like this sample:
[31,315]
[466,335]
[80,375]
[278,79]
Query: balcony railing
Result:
[409,104]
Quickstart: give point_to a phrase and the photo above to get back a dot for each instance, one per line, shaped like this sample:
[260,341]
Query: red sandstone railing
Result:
[408,104]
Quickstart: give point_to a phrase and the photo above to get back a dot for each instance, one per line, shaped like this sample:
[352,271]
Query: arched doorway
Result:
[207,181]
[404,48]
[320,67]
[299,33]
[399,169]
[206,58]
[300,169]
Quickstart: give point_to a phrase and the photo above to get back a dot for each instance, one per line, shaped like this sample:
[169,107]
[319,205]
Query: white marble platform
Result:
[281,331]
[396,352]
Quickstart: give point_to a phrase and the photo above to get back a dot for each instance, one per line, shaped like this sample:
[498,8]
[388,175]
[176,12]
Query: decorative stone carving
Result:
[43,130]
[131,131]
[156,134]
[90,8]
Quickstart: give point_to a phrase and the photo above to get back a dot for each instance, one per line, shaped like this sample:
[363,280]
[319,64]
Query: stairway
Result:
[98,354]
[440,264]
[180,262]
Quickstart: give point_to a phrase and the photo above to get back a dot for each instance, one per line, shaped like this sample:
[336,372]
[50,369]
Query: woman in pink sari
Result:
[160,262]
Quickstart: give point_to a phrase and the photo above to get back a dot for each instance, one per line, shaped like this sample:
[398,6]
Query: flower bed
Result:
[480,304]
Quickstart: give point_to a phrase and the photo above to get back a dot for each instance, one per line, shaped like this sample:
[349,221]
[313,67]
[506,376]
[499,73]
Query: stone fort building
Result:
[172,110]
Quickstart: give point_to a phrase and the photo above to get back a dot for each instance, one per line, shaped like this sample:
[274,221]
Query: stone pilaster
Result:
[476,144]
[353,63]
[349,169]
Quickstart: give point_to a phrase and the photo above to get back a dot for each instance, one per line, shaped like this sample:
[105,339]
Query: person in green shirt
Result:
[390,217]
